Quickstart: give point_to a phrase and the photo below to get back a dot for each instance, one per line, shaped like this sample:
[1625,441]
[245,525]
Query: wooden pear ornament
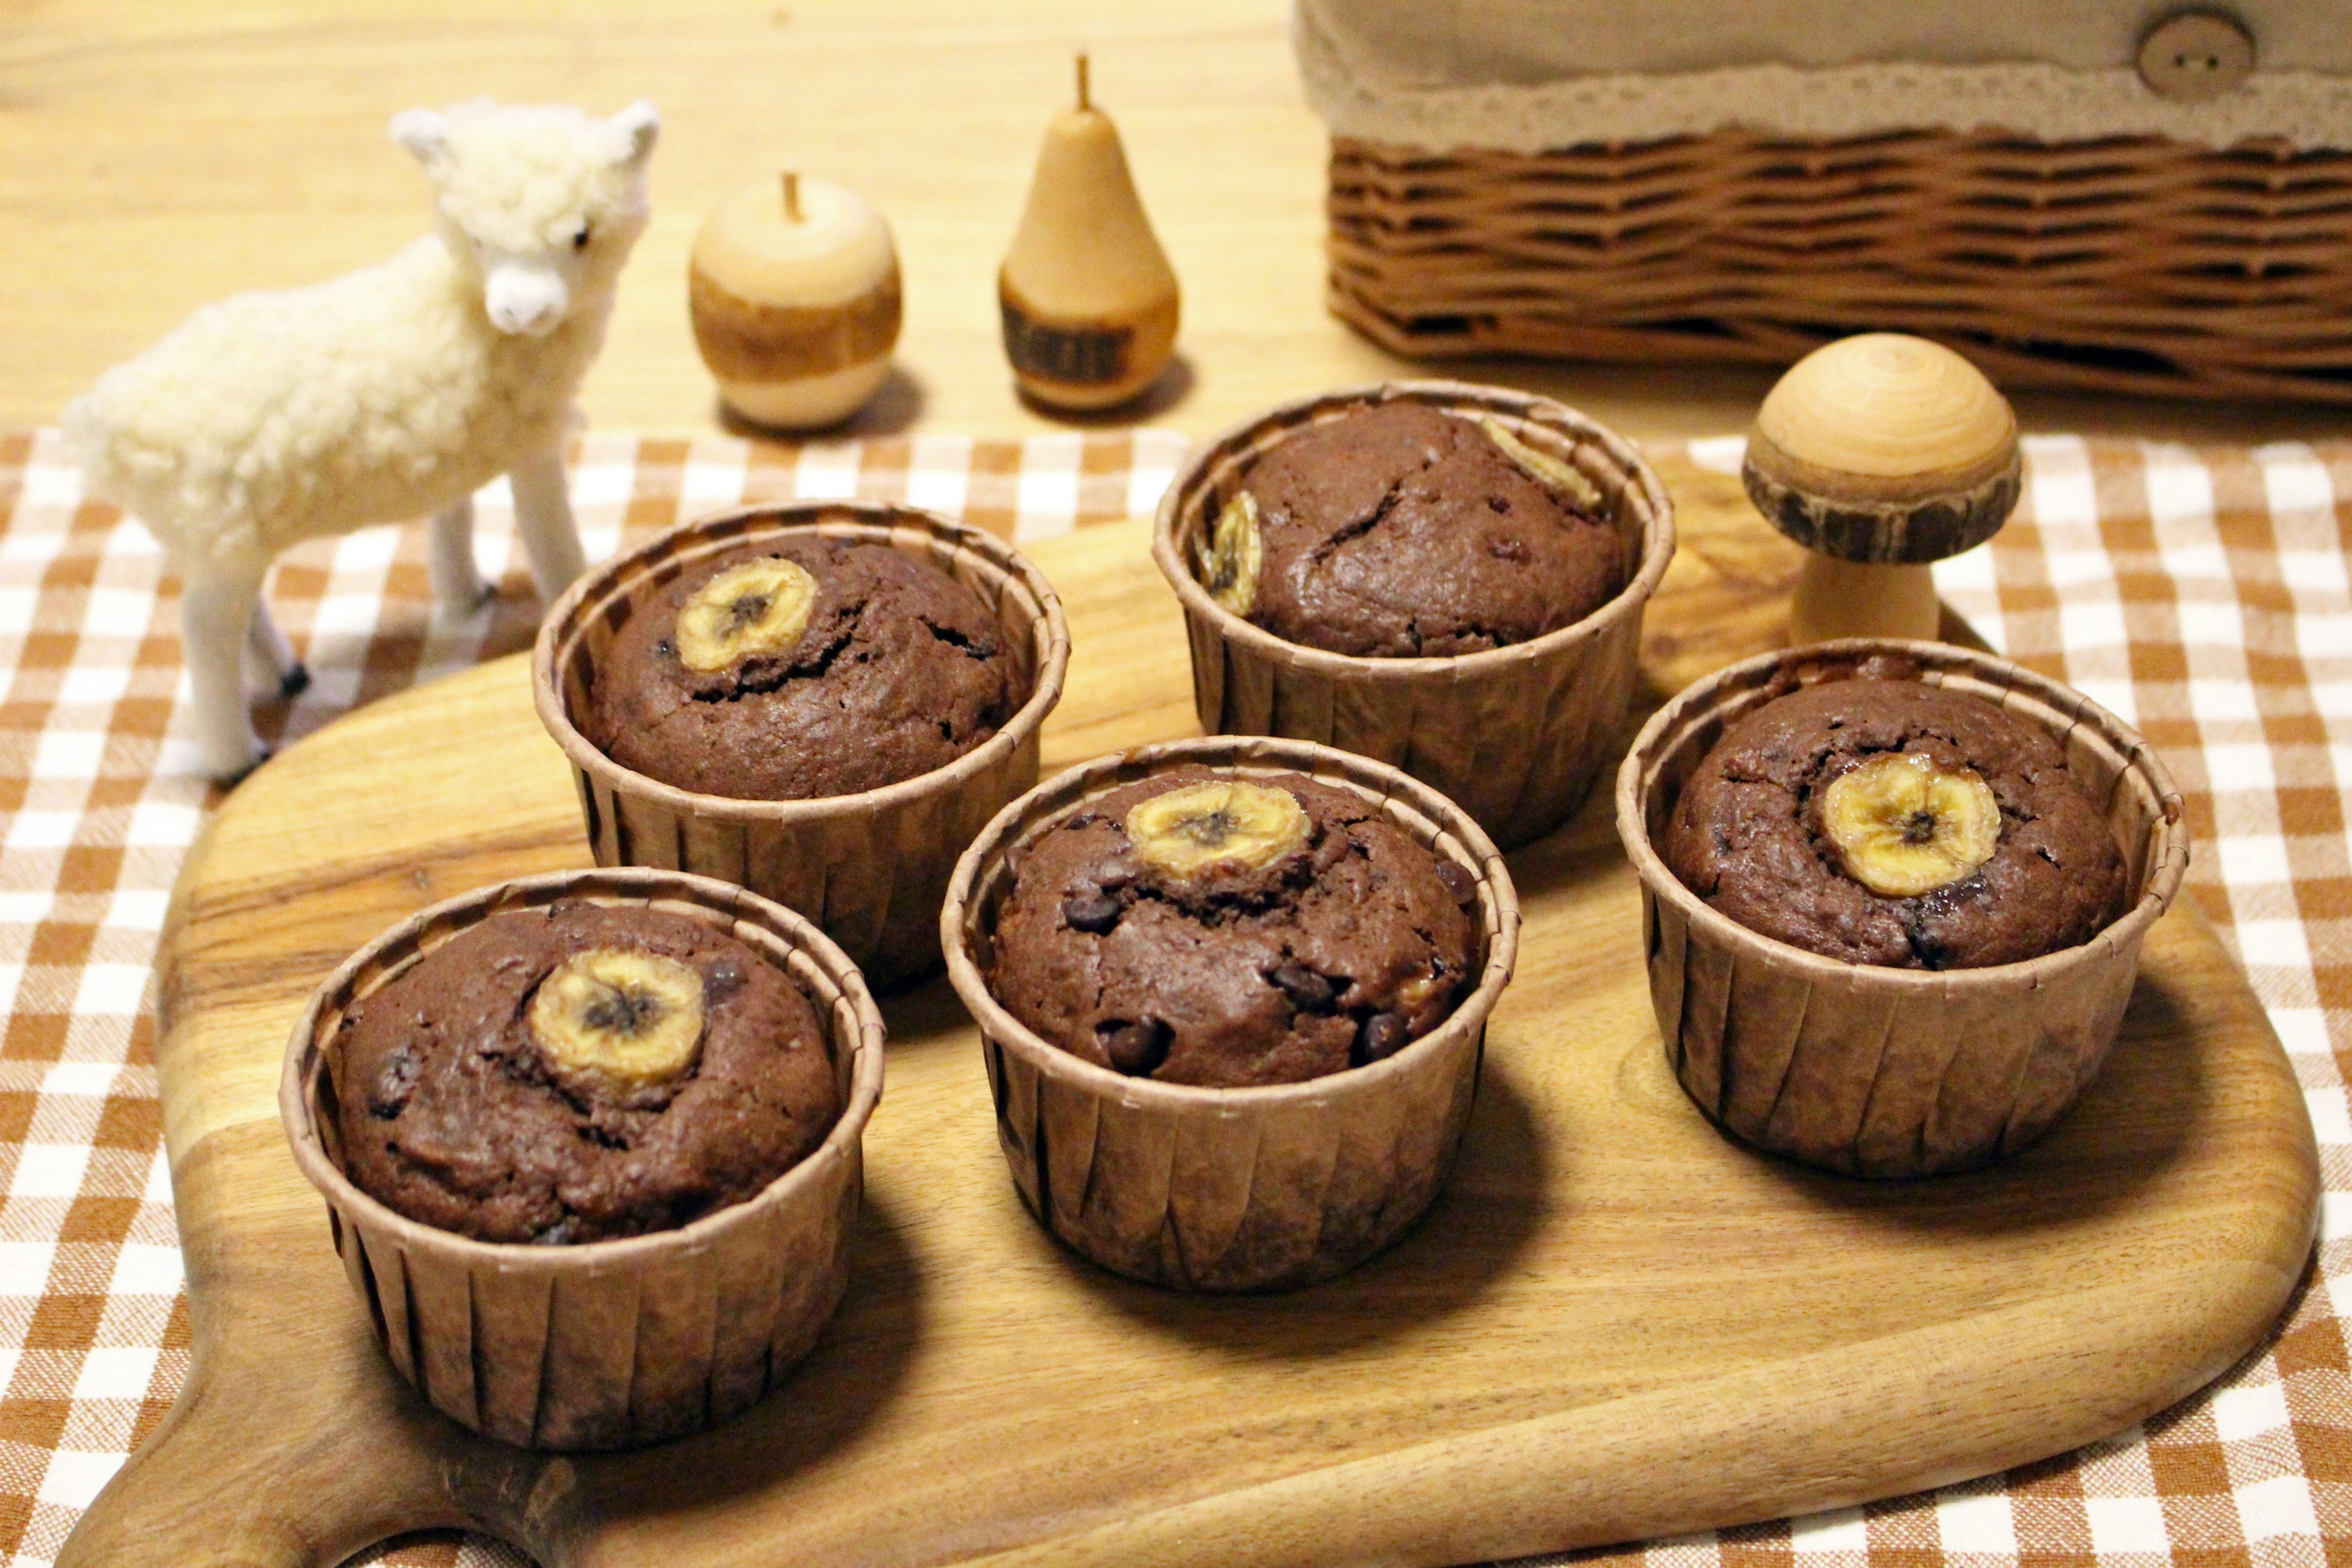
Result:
[1090,301]
[1880,453]
[795,301]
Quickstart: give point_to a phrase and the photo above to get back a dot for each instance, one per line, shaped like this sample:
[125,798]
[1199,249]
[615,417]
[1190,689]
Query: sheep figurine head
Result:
[543,204]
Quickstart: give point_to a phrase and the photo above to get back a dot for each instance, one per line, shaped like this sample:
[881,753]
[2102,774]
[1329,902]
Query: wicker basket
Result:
[604,1344]
[2132,265]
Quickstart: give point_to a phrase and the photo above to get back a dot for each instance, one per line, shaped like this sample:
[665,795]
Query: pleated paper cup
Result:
[868,867]
[1514,735]
[605,1345]
[1229,1189]
[1891,1072]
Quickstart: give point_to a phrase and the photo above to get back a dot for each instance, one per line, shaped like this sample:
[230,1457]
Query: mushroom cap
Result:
[1885,448]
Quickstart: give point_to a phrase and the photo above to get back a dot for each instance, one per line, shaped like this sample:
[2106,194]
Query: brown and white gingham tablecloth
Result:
[2201,593]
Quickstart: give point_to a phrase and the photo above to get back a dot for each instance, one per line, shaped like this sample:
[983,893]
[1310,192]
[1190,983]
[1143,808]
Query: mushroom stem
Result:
[1084,101]
[1838,598]
[793,195]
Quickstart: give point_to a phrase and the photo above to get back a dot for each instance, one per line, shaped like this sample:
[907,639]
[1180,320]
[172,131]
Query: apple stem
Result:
[793,195]
[1084,101]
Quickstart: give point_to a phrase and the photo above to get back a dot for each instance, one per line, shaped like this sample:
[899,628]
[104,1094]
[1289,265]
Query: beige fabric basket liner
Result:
[1229,1189]
[609,1344]
[869,868]
[1891,1072]
[1514,735]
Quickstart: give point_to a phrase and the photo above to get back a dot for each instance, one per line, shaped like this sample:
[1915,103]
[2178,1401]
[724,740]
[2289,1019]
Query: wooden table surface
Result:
[154,155]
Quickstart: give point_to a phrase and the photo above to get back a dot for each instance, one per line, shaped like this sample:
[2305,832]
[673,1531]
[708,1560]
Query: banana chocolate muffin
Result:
[578,1072]
[803,668]
[1400,530]
[1881,820]
[1206,928]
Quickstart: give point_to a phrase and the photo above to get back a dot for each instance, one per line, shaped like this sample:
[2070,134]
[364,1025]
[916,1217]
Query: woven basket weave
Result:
[2135,264]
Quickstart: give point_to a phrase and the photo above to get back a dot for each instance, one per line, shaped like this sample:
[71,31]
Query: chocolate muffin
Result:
[579,1072]
[803,668]
[1400,532]
[1208,928]
[1883,821]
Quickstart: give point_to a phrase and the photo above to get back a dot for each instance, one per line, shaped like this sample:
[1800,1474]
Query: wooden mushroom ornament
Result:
[795,301]
[1089,301]
[1880,453]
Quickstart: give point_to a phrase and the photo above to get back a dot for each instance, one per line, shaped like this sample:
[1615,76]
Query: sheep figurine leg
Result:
[270,661]
[218,605]
[551,540]
[390,394]
[450,567]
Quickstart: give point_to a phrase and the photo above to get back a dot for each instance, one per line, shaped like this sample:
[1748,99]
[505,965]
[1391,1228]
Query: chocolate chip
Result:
[1309,992]
[1458,881]
[1135,1049]
[390,1092]
[1090,912]
[1383,1035]
[722,980]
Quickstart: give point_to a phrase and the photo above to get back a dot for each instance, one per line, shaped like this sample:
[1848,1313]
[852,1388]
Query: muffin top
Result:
[1399,530]
[580,1072]
[1209,928]
[1883,821]
[802,667]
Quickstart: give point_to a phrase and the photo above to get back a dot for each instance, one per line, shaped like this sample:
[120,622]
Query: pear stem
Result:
[1084,101]
[793,195]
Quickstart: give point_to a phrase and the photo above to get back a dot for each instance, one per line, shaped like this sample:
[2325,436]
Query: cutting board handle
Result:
[222,1483]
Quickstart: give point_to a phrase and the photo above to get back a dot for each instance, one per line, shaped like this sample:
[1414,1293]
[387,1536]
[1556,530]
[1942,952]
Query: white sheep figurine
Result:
[393,393]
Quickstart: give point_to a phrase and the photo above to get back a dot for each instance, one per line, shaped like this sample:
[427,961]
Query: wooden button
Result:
[2196,55]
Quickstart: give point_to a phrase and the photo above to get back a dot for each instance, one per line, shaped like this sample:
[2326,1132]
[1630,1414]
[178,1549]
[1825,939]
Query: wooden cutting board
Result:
[1613,1324]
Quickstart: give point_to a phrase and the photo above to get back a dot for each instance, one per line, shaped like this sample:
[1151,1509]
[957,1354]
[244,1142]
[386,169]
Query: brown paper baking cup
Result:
[1229,1189]
[607,1345]
[1891,1072]
[1514,735]
[868,867]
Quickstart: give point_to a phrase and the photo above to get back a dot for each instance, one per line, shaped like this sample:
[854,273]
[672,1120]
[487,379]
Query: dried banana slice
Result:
[1542,467]
[1187,830]
[1228,562]
[615,1020]
[1905,826]
[759,607]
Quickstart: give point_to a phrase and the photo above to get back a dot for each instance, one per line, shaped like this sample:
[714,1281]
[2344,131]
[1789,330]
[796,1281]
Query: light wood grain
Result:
[159,155]
[1614,1323]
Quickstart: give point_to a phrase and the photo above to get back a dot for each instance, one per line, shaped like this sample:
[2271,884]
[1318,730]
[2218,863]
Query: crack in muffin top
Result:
[1403,532]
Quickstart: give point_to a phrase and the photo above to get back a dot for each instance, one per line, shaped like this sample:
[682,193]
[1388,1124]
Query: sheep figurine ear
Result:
[630,134]
[425,132]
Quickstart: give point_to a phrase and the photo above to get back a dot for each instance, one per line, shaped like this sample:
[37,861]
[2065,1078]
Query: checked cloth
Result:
[2201,593]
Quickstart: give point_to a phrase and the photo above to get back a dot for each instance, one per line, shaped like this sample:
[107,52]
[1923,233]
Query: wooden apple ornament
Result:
[794,296]
[1090,301]
[1880,453]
